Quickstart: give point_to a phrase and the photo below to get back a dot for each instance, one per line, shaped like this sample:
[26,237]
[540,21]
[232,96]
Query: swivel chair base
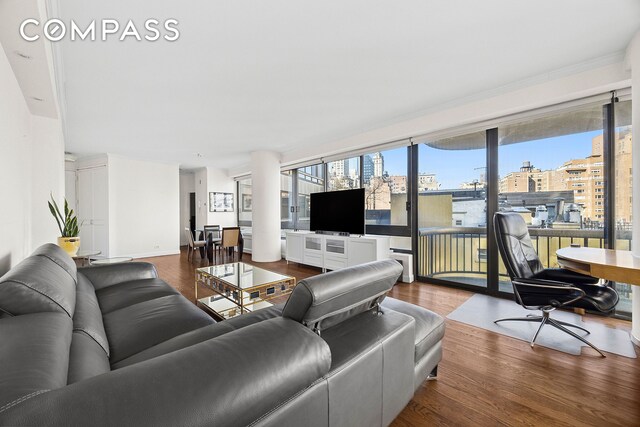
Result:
[546,319]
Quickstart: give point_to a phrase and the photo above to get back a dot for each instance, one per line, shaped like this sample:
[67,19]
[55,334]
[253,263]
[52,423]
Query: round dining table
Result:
[609,264]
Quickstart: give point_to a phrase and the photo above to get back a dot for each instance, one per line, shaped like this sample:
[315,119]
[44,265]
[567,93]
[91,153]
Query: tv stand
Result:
[333,233]
[332,251]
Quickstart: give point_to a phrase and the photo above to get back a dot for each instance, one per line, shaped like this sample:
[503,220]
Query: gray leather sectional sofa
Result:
[115,345]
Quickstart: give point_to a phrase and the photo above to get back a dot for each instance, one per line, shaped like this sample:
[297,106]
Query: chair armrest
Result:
[230,380]
[107,275]
[553,288]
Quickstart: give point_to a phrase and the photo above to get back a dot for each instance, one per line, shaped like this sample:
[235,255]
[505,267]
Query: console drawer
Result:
[314,259]
[334,263]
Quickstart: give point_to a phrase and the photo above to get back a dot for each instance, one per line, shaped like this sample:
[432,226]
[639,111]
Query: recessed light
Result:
[22,55]
[35,98]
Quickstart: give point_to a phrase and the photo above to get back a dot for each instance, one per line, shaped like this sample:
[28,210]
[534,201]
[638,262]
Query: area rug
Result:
[481,311]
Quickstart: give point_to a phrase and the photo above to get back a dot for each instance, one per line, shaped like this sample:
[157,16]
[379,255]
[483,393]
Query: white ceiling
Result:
[281,74]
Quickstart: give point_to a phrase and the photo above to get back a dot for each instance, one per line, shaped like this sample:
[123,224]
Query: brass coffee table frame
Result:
[263,292]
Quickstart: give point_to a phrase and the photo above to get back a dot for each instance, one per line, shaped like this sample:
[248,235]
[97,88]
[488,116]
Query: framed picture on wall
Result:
[246,203]
[220,202]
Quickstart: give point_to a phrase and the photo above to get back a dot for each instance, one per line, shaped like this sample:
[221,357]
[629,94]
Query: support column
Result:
[633,62]
[265,194]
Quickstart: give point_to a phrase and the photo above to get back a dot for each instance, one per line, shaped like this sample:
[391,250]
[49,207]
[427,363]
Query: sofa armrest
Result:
[230,380]
[106,275]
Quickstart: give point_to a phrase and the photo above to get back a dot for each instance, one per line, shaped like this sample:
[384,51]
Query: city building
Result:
[398,184]
[378,164]
[367,168]
[427,182]
[340,168]
[585,177]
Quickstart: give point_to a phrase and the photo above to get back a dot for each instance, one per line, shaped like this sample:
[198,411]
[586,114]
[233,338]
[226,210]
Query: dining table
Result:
[610,264]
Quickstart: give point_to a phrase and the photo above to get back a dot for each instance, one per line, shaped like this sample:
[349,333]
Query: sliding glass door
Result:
[551,172]
[622,151]
[452,210]
[567,173]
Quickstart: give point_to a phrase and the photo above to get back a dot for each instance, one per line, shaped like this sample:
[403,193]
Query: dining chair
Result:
[212,235]
[546,289]
[193,244]
[230,240]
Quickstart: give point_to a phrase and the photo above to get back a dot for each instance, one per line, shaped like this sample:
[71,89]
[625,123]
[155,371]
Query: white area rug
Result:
[481,311]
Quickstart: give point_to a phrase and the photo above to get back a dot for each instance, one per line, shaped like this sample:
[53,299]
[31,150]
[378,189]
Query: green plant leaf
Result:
[53,212]
[68,224]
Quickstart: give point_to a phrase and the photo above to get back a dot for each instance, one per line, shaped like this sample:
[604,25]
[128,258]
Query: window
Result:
[385,179]
[244,202]
[309,179]
[567,149]
[452,217]
[344,174]
[286,200]
[623,192]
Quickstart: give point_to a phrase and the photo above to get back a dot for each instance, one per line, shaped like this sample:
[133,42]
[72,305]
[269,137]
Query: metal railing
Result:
[462,251]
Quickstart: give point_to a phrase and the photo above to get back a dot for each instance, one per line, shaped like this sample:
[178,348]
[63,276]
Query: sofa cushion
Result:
[86,358]
[429,325]
[56,254]
[202,334]
[38,284]
[132,292]
[34,355]
[341,294]
[88,317]
[143,325]
[103,276]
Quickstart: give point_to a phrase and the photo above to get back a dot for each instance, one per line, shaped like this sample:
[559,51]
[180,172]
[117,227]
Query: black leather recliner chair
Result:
[546,289]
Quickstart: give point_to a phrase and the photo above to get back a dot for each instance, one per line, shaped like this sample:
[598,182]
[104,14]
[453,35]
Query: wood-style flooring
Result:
[488,379]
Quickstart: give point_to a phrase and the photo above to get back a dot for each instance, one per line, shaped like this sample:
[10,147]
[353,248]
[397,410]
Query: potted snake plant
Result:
[68,225]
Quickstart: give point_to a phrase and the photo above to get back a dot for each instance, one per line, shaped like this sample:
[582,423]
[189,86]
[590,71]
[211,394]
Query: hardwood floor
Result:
[488,379]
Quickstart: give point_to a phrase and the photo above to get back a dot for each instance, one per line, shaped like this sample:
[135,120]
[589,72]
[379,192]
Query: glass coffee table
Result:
[240,288]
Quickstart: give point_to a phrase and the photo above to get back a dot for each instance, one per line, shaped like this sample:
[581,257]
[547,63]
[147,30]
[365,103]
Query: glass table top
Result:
[243,276]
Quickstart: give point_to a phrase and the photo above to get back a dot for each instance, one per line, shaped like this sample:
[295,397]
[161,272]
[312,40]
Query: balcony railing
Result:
[459,254]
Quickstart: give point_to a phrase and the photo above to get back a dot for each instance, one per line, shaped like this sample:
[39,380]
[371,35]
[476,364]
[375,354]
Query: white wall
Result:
[187,186]
[48,176]
[200,183]
[209,180]
[15,176]
[219,181]
[144,208]
[31,165]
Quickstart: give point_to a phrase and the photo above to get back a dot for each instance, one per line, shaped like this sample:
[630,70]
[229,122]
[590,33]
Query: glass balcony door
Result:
[452,210]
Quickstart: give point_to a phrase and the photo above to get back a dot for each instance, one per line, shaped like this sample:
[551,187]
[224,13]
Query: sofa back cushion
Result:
[339,295]
[45,281]
[88,316]
[34,355]
[86,358]
[56,254]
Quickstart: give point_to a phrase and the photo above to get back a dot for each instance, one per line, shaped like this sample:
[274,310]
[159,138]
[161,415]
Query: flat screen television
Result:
[338,211]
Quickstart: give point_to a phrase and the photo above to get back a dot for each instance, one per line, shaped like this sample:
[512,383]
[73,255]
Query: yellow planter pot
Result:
[69,244]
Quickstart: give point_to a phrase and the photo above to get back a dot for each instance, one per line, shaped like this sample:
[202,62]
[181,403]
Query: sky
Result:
[453,167]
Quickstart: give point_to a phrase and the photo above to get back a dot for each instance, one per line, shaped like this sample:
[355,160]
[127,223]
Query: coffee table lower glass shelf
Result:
[241,288]
[225,308]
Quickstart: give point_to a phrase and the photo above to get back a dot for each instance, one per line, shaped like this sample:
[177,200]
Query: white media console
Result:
[331,252]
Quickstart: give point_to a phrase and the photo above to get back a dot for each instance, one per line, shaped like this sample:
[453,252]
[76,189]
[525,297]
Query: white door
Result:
[93,209]
[70,188]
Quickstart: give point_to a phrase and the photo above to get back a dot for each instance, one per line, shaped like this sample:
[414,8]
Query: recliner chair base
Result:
[546,318]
